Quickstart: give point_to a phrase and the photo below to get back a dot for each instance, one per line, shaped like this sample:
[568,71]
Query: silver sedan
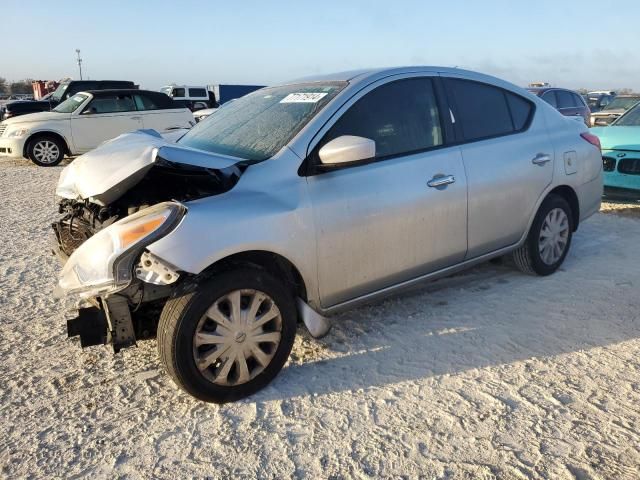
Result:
[308,198]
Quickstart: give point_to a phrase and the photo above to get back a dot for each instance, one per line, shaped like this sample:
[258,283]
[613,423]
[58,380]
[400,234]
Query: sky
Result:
[574,44]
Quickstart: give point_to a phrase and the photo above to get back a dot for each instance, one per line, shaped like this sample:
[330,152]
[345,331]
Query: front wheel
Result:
[549,238]
[45,151]
[228,338]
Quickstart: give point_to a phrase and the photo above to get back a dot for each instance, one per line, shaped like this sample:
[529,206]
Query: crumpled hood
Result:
[103,175]
[618,138]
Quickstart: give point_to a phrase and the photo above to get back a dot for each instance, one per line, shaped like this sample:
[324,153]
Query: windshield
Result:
[624,103]
[629,119]
[71,104]
[167,90]
[57,94]
[258,125]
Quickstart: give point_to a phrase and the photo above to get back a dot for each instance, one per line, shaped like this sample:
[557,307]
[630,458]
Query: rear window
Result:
[565,99]
[197,92]
[486,111]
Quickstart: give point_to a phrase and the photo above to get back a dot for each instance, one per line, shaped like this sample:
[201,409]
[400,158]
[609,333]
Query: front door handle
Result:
[136,118]
[441,181]
[541,159]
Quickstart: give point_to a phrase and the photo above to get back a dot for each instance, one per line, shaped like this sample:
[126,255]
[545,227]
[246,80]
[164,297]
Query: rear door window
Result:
[550,98]
[521,110]
[565,99]
[401,117]
[485,111]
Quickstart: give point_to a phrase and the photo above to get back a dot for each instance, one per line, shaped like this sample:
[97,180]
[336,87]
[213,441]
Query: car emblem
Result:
[620,155]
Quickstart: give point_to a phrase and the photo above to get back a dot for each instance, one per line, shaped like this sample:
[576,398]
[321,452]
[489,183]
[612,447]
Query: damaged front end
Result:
[117,200]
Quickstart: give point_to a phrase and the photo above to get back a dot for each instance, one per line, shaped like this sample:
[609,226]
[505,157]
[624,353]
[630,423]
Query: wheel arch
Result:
[45,133]
[274,263]
[571,197]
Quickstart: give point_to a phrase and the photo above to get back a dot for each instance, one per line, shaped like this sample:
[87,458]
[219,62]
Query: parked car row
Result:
[62,93]
[567,102]
[200,97]
[616,108]
[85,120]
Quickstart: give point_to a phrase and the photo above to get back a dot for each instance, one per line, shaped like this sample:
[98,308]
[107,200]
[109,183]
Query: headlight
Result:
[18,132]
[104,263]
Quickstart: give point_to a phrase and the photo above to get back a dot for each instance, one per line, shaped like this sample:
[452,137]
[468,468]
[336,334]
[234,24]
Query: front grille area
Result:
[630,166]
[608,164]
[71,233]
[2,129]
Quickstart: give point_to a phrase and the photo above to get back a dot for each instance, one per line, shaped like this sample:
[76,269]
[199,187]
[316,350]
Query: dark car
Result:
[64,91]
[614,110]
[567,102]
[599,100]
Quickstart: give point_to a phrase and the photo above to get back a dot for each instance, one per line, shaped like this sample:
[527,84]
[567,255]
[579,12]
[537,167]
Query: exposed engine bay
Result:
[119,179]
[166,180]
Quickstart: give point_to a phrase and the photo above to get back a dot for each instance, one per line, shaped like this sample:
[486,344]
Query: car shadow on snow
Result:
[489,316]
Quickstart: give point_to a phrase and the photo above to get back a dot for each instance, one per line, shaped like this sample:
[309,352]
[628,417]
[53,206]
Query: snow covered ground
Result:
[489,374]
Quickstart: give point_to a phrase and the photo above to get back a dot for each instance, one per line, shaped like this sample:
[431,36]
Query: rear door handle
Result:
[541,159]
[441,181]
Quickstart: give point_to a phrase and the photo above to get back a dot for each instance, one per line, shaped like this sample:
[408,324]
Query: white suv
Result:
[85,120]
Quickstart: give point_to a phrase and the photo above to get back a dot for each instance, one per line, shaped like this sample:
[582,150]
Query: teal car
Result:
[621,153]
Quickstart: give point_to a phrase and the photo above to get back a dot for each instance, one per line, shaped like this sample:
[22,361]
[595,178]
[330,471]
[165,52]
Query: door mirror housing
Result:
[347,149]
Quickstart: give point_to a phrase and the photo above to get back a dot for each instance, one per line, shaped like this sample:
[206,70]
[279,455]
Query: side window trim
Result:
[309,166]
[460,139]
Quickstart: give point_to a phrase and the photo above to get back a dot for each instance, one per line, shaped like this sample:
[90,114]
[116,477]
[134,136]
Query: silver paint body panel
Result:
[366,231]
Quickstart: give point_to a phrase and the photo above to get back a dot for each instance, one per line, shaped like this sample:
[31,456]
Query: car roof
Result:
[546,89]
[111,91]
[369,75]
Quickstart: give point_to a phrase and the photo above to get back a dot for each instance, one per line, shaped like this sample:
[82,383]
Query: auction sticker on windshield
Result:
[311,97]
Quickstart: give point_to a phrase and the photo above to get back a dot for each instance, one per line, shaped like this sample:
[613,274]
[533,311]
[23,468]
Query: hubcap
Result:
[236,339]
[554,236]
[46,151]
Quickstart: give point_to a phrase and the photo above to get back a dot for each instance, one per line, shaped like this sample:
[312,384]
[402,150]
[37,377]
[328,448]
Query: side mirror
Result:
[346,149]
[90,111]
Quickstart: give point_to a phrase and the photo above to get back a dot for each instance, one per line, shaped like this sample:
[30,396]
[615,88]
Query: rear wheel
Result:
[549,238]
[45,150]
[228,338]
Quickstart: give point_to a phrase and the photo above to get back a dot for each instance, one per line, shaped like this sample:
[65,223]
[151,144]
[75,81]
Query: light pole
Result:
[79,62]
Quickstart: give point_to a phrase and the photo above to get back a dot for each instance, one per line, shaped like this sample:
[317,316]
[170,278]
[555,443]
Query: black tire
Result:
[45,141]
[179,320]
[528,258]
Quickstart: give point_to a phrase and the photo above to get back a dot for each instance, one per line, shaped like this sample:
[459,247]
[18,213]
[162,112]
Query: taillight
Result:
[592,139]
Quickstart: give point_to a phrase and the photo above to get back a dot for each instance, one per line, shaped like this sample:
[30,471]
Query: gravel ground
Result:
[489,374]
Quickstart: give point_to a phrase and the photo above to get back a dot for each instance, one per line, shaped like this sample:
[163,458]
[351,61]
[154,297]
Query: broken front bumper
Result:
[109,324]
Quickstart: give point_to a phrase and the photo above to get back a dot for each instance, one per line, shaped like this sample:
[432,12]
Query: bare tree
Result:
[21,87]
